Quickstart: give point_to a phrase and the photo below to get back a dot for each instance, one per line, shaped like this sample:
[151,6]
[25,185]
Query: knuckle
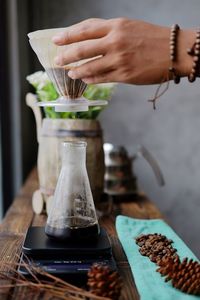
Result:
[62,59]
[120,22]
[123,58]
[77,72]
[88,70]
[84,71]
[119,60]
[83,31]
[102,78]
[92,20]
[95,79]
[88,79]
[66,36]
[116,41]
[87,23]
[79,53]
[126,74]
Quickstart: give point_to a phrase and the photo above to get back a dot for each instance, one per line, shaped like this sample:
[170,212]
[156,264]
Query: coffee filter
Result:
[70,90]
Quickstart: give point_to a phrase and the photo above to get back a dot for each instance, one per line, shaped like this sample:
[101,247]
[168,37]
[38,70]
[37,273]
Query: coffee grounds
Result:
[156,247]
[82,230]
[66,86]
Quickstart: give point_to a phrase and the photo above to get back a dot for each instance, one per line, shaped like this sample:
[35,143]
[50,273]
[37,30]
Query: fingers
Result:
[81,50]
[85,30]
[92,68]
[101,78]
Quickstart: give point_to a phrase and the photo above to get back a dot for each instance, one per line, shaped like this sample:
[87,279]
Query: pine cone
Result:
[102,281]
[184,275]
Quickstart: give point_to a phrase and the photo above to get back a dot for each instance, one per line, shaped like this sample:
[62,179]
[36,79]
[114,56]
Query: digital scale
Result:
[68,259]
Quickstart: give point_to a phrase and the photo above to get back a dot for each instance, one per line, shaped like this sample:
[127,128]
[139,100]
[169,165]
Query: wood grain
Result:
[20,216]
[14,226]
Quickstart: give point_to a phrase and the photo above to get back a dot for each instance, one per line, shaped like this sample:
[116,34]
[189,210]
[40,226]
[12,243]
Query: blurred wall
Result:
[171,132]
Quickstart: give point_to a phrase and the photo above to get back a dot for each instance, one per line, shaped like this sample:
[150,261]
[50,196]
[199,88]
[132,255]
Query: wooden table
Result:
[20,216]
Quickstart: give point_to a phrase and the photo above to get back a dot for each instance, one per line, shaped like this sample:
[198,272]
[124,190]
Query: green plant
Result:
[46,91]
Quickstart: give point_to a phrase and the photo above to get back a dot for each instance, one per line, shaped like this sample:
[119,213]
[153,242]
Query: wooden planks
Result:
[20,216]
[14,225]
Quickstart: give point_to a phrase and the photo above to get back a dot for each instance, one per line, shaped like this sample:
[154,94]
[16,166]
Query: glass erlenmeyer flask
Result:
[73,213]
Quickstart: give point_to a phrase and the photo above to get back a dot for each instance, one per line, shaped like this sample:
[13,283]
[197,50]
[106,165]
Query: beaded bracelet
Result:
[195,52]
[173,51]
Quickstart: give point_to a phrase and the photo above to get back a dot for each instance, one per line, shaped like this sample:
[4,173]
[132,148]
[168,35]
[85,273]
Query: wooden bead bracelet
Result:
[173,51]
[195,52]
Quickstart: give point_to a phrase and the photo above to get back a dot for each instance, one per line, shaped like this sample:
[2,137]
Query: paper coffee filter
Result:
[67,88]
[45,33]
[46,50]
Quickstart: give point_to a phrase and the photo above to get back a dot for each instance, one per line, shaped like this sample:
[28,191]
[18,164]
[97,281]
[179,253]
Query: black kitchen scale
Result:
[67,259]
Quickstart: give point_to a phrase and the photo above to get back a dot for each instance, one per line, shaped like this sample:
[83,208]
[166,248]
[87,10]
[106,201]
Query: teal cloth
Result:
[150,284]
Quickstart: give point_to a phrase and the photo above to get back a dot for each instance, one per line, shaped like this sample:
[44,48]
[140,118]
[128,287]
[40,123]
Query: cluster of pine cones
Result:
[104,282]
[184,275]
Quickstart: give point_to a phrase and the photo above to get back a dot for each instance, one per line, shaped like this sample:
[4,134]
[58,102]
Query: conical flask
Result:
[73,213]
[69,90]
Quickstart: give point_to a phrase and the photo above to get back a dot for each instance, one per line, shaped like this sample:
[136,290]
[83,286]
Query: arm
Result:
[130,51]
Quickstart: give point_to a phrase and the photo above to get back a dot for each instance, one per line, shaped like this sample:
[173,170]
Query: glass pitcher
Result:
[73,213]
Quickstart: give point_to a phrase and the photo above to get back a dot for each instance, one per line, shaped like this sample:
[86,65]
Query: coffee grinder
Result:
[72,239]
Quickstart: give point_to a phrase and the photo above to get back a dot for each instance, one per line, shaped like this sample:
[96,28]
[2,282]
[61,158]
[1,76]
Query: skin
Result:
[128,51]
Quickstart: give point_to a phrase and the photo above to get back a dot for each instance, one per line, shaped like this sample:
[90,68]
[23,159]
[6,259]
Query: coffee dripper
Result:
[70,90]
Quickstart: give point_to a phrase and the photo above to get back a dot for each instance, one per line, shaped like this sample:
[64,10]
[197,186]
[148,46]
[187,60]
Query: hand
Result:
[127,51]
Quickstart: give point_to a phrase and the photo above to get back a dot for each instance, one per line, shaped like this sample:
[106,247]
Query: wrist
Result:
[183,65]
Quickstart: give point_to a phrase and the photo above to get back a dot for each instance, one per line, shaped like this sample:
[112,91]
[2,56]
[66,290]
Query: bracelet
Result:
[173,51]
[195,52]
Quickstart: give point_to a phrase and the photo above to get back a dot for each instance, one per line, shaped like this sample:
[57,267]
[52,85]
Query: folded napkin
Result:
[150,284]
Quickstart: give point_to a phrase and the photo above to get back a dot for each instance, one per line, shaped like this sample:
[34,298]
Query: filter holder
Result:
[70,90]
[63,104]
